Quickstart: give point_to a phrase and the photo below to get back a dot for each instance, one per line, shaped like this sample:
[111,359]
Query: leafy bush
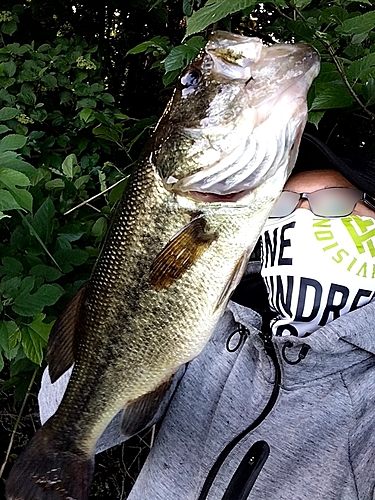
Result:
[343,32]
[59,130]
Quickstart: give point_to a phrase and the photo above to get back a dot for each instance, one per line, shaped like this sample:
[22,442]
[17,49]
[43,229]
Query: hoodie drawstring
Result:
[301,355]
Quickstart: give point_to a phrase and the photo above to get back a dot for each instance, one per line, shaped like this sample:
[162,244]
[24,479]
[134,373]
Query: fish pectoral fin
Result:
[138,414]
[233,281]
[180,253]
[63,339]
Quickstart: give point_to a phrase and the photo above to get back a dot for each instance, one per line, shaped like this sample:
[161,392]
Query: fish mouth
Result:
[208,197]
[233,155]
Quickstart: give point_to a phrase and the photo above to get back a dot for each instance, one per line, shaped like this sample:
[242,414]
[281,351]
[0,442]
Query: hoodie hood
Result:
[355,330]
[335,347]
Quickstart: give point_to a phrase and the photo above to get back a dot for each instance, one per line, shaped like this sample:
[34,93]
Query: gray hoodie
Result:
[316,442]
[306,419]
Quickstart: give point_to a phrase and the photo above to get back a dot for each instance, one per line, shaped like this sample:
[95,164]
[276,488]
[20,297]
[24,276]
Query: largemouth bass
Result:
[178,244]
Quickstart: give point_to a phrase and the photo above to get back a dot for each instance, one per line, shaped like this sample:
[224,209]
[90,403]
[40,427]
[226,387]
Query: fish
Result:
[177,246]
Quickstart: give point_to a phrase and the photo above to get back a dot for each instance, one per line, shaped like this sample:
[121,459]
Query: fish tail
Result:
[47,470]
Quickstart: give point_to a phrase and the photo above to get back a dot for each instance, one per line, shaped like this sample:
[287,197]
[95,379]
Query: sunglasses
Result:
[329,202]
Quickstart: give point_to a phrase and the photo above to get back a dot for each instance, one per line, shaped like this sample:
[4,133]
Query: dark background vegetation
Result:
[76,108]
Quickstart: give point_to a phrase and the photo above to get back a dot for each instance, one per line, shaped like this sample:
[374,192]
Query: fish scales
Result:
[176,248]
[119,324]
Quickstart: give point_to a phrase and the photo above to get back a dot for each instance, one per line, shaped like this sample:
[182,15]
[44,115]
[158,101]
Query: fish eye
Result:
[191,78]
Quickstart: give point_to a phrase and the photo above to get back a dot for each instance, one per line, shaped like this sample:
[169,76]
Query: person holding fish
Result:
[280,404]
[268,395]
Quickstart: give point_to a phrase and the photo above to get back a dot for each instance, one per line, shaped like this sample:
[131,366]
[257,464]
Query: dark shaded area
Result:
[116,26]
[115,470]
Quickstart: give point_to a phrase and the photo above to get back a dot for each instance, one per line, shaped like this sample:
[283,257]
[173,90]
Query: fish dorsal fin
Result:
[138,414]
[233,281]
[180,253]
[62,339]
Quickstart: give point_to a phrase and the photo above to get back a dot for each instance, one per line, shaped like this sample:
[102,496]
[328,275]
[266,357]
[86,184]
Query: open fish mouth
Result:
[235,151]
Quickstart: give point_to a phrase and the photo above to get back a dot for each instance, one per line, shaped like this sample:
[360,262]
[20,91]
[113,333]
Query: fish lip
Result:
[233,55]
[208,197]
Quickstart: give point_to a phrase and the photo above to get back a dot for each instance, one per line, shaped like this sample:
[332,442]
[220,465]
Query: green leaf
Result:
[12,142]
[85,114]
[332,96]
[7,201]
[49,81]
[9,287]
[81,181]
[156,42]
[180,56]
[358,39]
[65,97]
[55,184]
[11,266]
[8,329]
[187,7]
[27,304]
[34,338]
[35,134]
[10,159]
[9,27]
[10,179]
[99,228]
[63,141]
[358,24]
[104,118]
[67,258]
[42,221]
[86,102]
[47,272]
[27,95]
[315,117]
[83,90]
[106,133]
[116,192]
[6,82]
[3,129]
[39,240]
[107,98]
[26,285]
[44,47]
[39,115]
[9,68]
[8,113]
[170,76]
[96,87]
[328,73]
[213,11]
[360,68]
[68,165]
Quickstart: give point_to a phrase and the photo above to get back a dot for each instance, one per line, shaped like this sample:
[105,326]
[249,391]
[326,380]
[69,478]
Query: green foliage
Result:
[343,32]
[59,127]
[171,59]
[214,11]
